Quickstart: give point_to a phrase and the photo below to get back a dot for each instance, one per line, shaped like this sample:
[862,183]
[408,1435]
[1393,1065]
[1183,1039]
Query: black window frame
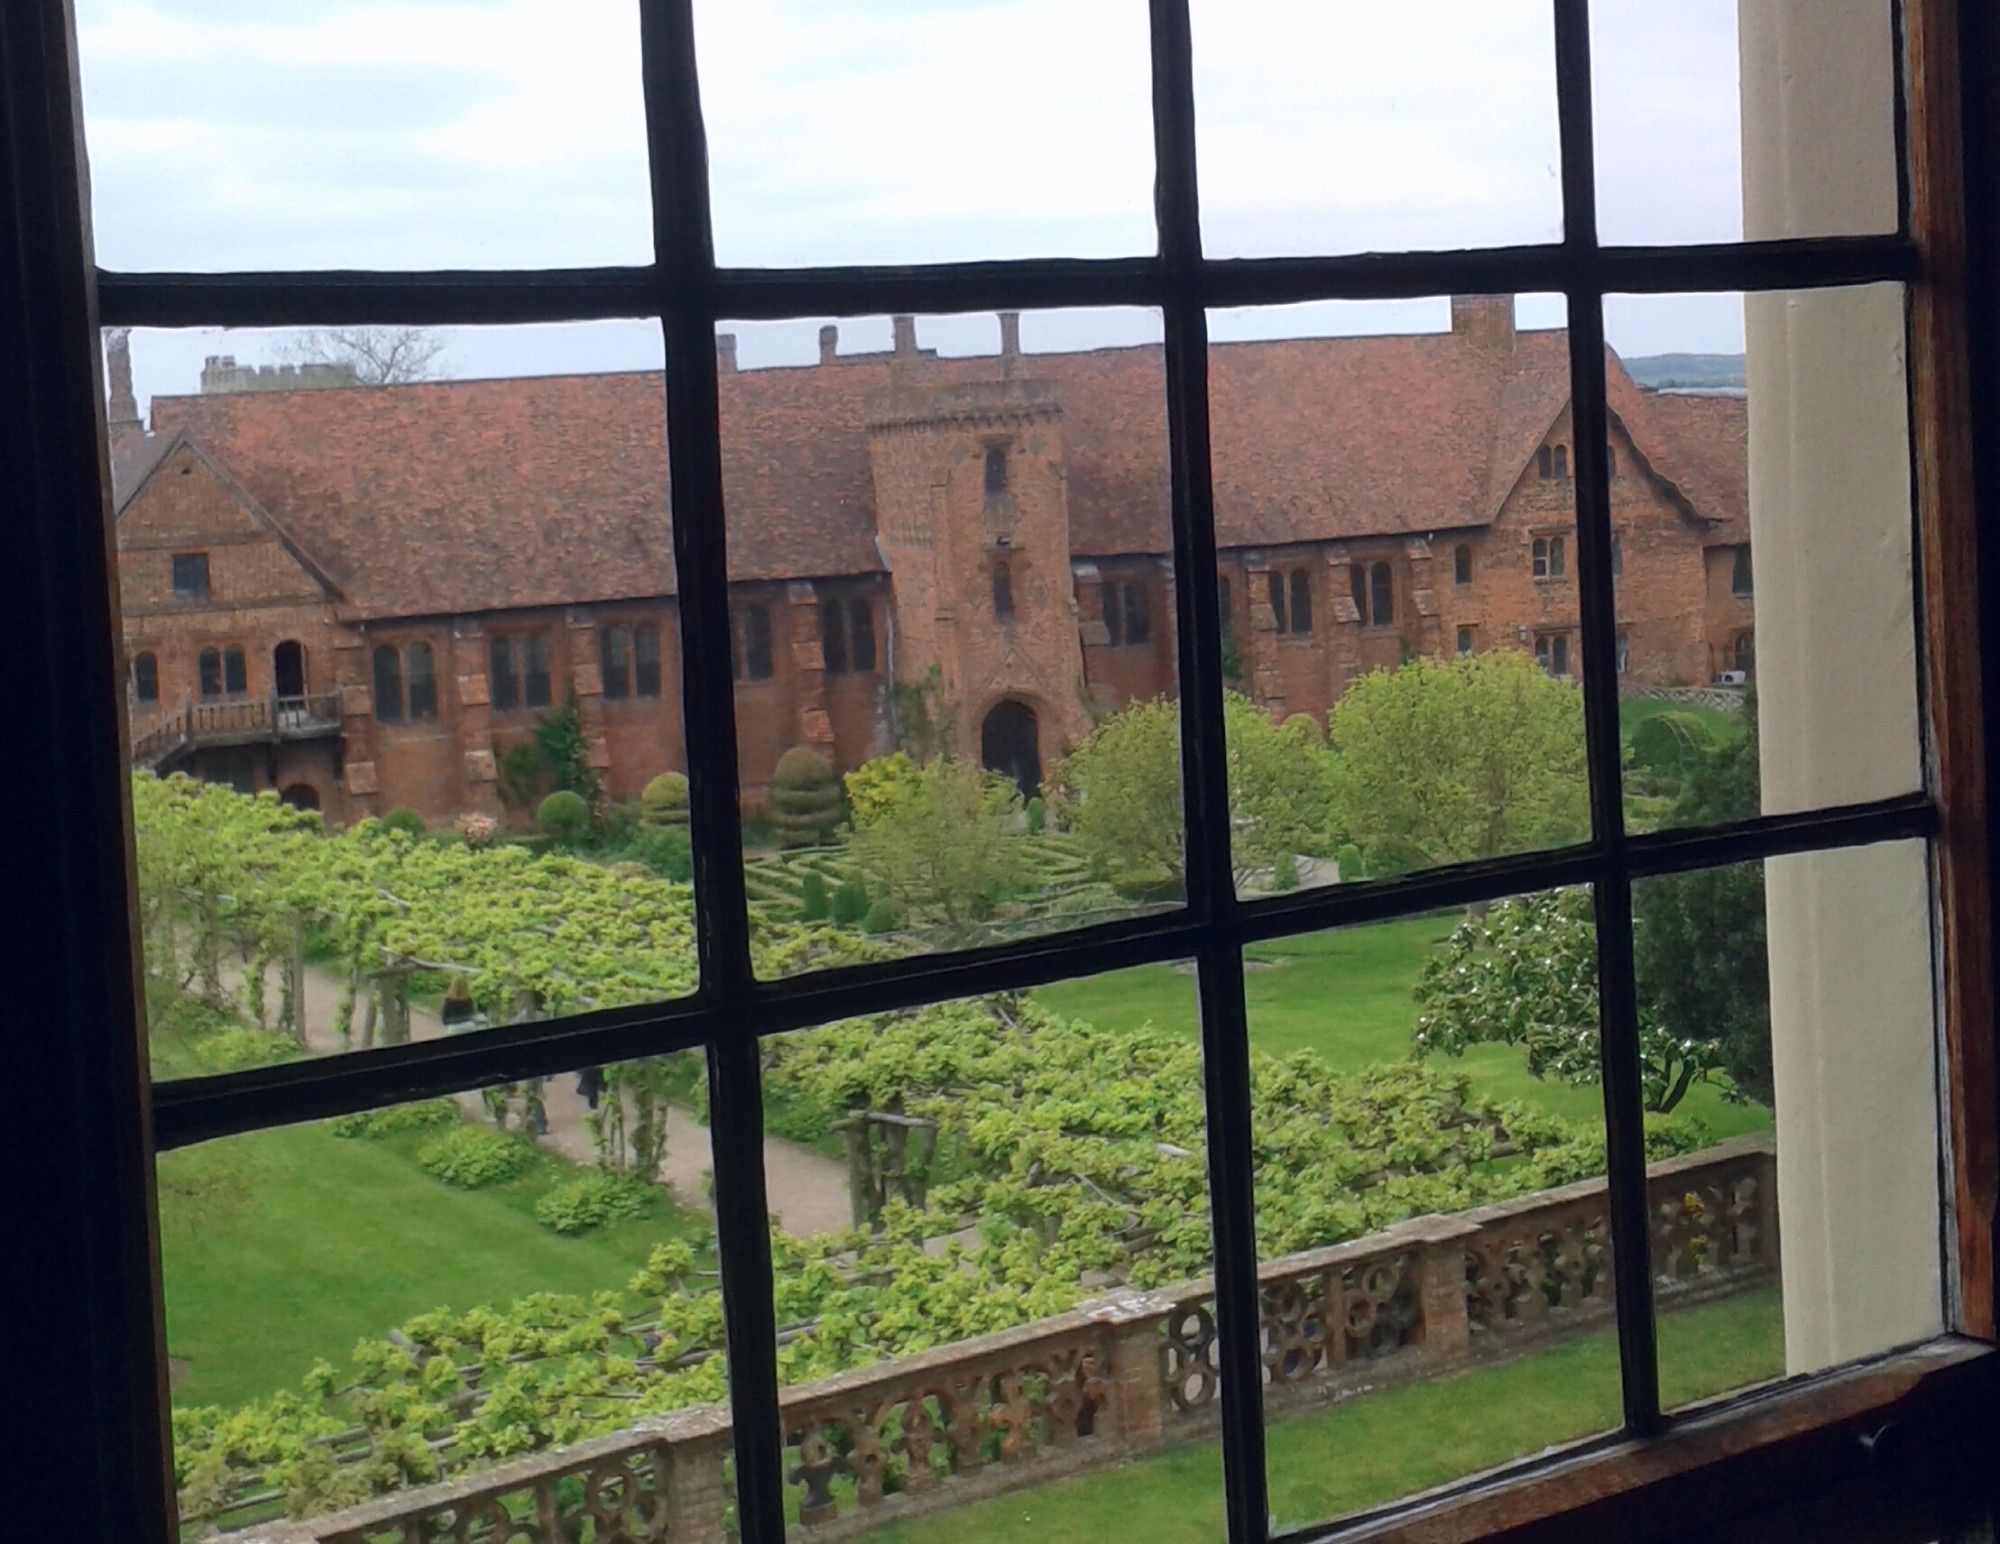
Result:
[1138,611]
[751,655]
[195,575]
[1742,573]
[1301,617]
[146,677]
[420,686]
[646,659]
[614,661]
[1461,563]
[1381,595]
[731,1010]
[385,681]
[833,636]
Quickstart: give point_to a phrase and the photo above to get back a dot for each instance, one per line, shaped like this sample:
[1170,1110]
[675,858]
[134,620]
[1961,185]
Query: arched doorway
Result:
[1010,743]
[301,796]
[288,669]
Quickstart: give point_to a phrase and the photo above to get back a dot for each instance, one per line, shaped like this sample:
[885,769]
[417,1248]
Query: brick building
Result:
[364,596]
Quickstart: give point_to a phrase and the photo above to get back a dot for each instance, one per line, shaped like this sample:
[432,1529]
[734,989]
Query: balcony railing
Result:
[1118,1378]
[235,721]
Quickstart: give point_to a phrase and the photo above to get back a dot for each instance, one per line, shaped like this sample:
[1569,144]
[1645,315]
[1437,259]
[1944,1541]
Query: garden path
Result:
[808,1191]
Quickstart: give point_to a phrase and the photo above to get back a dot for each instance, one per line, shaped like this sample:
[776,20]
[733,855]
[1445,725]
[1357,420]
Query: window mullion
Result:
[1617,995]
[1205,781]
[684,247]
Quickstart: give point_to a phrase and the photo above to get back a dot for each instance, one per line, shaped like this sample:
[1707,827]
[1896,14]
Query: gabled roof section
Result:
[160,453]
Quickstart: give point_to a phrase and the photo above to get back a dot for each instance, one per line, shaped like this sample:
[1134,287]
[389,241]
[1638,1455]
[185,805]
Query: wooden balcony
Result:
[234,721]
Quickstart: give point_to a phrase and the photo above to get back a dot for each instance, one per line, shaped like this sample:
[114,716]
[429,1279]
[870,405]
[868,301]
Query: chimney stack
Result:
[906,336]
[1485,321]
[1010,340]
[725,353]
[829,343]
[121,405]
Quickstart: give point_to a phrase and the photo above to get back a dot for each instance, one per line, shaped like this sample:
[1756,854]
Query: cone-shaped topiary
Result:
[665,801]
[805,799]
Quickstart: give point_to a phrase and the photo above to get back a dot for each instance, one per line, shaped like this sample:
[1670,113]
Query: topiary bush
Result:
[884,916]
[1348,856]
[472,1157]
[578,1205]
[850,902]
[805,799]
[1672,744]
[1038,815]
[372,1125]
[407,821]
[815,905]
[667,851]
[564,815]
[1285,873]
[664,801]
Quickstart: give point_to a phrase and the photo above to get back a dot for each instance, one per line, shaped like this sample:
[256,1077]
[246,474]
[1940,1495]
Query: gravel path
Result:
[808,1191]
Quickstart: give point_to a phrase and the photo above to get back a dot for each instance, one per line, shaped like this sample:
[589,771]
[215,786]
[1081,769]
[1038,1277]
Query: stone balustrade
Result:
[1116,1378]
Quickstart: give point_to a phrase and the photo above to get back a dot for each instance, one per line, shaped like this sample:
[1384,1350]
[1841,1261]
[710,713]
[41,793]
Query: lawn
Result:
[1383,1446]
[1346,993]
[292,1244]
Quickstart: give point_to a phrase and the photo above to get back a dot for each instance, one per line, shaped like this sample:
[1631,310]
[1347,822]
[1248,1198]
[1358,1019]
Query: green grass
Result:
[1346,994]
[1383,1446]
[289,1245]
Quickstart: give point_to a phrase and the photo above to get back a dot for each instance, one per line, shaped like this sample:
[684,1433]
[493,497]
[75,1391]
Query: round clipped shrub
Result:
[664,802]
[815,905]
[1349,858]
[407,821]
[1038,815]
[850,902]
[564,815]
[1672,744]
[473,1157]
[805,799]
[884,916]
[667,852]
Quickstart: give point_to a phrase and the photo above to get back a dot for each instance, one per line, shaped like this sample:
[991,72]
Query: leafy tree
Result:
[1524,972]
[1119,791]
[1463,758]
[947,852]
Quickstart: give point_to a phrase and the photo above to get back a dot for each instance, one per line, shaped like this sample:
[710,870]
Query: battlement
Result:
[221,375]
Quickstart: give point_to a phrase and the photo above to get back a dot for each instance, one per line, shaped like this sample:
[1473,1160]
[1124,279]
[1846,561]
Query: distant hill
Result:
[1688,372]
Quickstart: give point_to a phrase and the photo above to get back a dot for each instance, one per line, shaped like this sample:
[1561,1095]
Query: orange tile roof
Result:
[480,495]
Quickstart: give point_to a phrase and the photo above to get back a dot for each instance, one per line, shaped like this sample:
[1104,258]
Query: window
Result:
[1274,586]
[996,469]
[222,672]
[736,1017]
[1545,462]
[191,575]
[146,677]
[1461,563]
[208,670]
[520,675]
[235,674]
[1357,589]
[646,660]
[1302,601]
[833,637]
[388,683]
[1739,571]
[420,680]
[1381,596]
[750,642]
[1743,654]
[1138,613]
[1624,651]
[861,631]
[1465,640]
[1617,558]
[1549,558]
[614,656]
[1003,590]
[1562,461]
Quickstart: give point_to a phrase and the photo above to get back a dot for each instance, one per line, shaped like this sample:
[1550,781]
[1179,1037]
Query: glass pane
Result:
[1786,1007]
[406,583]
[379,134]
[952,628]
[991,1262]
[927,132]
[1762,502]
[1355,128]
[373,1312]
[1724,119]
[1396,515]
[1436,1247]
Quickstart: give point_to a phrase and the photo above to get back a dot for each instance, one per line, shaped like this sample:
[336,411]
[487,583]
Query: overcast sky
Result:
[509,133]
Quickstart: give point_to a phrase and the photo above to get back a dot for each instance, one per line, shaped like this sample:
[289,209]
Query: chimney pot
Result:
[1010,334]
[725,353]
[829,343]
